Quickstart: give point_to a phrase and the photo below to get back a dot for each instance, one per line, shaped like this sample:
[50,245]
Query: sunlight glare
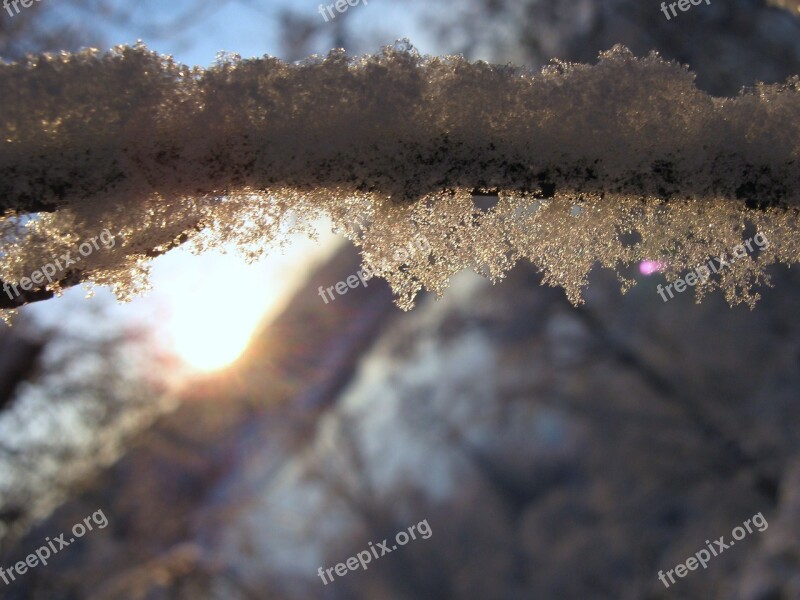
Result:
[208,307]
[209,337]
[213,308]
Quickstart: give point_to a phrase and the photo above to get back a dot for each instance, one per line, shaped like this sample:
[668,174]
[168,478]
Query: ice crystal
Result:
[610,164]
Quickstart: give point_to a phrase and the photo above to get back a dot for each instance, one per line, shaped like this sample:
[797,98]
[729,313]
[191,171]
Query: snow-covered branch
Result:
[88,127]
[582,157]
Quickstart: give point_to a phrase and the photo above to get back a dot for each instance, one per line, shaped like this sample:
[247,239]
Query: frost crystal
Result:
[612,163]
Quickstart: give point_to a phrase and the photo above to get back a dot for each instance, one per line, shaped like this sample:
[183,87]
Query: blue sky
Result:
[249,28]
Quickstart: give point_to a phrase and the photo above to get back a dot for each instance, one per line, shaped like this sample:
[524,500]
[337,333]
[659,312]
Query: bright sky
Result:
[248,27]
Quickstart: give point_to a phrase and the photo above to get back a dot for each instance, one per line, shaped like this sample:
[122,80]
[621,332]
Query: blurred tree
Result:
[72,413]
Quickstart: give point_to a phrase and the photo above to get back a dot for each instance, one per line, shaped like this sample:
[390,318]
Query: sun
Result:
[208,337]
[208,307]
[214,304]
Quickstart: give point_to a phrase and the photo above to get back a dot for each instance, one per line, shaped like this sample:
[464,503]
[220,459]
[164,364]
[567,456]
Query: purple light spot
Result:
[648,267]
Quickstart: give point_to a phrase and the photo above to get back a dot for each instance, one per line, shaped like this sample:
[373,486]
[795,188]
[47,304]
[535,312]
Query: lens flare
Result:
[648,267]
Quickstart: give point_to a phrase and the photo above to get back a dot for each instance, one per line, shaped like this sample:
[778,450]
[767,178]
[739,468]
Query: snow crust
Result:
[391,147]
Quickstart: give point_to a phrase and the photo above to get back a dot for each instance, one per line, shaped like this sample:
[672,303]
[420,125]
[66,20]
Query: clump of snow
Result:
[252,151]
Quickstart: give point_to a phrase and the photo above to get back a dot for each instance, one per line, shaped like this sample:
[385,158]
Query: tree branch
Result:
[133,141]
